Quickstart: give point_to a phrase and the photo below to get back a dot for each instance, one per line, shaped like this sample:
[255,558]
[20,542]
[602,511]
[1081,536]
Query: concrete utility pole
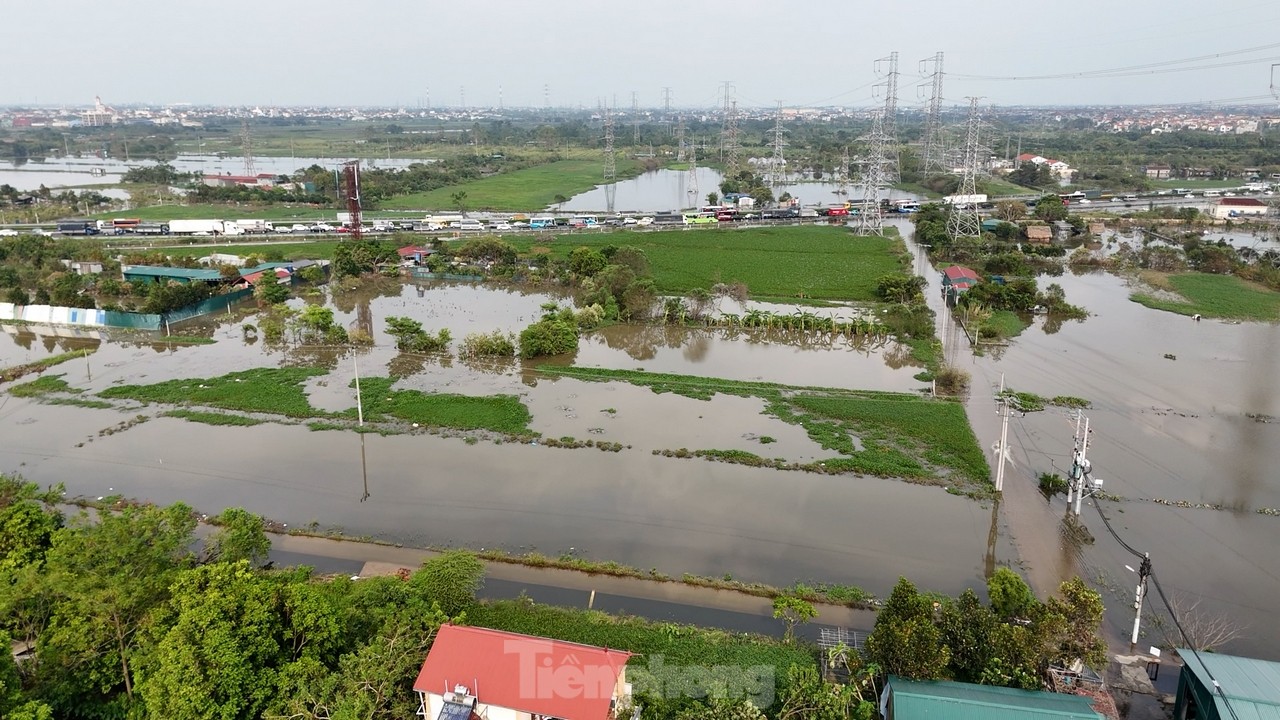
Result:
[1002,450]
[1144,572]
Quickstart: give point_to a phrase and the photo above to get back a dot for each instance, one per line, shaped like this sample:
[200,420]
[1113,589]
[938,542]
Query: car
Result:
[8,232]
[644,221]
[1117,199]
[1084,201]
[629,221]
[1189,196]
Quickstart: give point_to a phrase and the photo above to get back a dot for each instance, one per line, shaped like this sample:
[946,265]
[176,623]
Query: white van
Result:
[470,225]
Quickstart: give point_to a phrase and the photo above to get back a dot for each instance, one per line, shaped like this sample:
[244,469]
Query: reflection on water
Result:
[656,191]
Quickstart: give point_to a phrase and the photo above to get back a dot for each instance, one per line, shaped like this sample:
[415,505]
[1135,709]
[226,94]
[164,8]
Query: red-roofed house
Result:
[414,253]
[956,279]
[1238,207]
[479,673]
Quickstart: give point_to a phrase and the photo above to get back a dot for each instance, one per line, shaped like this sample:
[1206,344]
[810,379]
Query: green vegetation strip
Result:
[1216,296]
[17,371]
[678,645]
[901,435]
[526,189]
[780,263]
[43,385]
[213,418]
[280,391]
[1003,324]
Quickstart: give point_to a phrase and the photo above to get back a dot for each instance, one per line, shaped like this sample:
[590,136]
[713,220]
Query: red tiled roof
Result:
[413,250]
[1027,156]
[960,272]
[522,672]
[1242,202]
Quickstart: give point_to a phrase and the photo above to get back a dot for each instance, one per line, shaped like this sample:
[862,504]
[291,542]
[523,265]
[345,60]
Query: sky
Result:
[802,53]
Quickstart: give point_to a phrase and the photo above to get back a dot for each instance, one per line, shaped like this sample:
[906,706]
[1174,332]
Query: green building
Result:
[945,700]
[1213,686]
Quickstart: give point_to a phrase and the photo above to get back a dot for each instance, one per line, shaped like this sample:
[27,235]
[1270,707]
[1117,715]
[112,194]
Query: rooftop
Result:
[1252,687]
[1242,202]
[943,699]
[523,672]
[960,272]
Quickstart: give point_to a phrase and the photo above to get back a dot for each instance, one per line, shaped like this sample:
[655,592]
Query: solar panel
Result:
[454,711]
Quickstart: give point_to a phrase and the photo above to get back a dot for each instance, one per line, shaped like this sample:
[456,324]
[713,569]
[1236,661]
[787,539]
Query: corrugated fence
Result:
[57,315]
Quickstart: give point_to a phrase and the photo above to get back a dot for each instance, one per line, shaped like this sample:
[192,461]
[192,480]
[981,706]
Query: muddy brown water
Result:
[1201,428]
[678,515]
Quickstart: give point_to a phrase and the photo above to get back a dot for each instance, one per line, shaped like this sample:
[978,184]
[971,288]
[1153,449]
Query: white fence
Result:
[53,315]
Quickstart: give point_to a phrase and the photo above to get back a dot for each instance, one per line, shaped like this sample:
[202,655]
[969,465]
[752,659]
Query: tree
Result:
[410,337]
[806,696]
[215,652]
[722,709]
[450,580]
[1080,608]
[900,288]
[241,535]
[460,201]
[1050,208]
[109,574]
[713,199]
[792,611]
[585,261]
[26,527]
[1011,210]
[905,641]
[271,292]
[1010,595]
[549,336]
[560,200]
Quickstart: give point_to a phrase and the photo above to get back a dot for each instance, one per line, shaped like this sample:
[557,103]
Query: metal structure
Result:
[962,219]
[351,181]
[934,157]
[692,184]
[610,163]
[870,219]
[844,173]
[666,100]
[246,145]
[724,117]
[499,96]
[889,120]
[680,140]
[546,96]
[778,163]
[462,96]
[635,119]
[732,151]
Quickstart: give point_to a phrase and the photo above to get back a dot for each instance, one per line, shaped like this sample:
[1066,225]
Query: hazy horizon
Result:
[397,53]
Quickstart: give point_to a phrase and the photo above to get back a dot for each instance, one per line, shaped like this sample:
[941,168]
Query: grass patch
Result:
[320,425]
[526,189]
[1197,184]
[783,264]
[213,418]
[13,373]
[267,390]
[902,435]
[43,385]
[80,402]
[1215,296]
[1002,325]
[186,340]
[678,646]
[499,413]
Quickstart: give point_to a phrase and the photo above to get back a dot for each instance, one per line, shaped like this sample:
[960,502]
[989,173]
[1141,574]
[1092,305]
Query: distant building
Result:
[956,279]
[945,700]
[83,267]
[1040,234]
[262,180]
[1158,172]
[1213,686]
[1238,207]
[473,672]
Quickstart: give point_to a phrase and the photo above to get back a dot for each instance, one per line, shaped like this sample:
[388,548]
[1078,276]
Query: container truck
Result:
[78,227]
[206,227]
[255,227]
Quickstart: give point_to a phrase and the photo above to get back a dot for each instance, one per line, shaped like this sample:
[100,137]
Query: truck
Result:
[974,199]
[151,228]
[204,227]
[78,227]
[255,227]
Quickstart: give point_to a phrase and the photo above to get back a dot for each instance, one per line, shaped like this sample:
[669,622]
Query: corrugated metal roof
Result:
[172,272]
[946,700]
[1252,686]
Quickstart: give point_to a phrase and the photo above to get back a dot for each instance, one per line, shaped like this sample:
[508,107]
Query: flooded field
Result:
[1184,412]
[679,515]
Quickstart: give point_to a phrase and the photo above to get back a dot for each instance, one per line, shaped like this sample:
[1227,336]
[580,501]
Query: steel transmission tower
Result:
[844,173]
[680,139]
[635,120]
[873,179]
[724,120]
[732,151]
[546,96]
[351,179]
[889,123]
[610,163]
[963,220]
[692,183]
[246,145]
[666,100]
[934,147]
[778,164]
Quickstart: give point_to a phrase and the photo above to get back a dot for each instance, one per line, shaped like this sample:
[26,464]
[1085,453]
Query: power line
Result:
[1123,71]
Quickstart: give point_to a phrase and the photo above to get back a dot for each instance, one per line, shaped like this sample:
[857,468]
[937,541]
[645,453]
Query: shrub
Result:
[549,336]
[951,380]
[494,344]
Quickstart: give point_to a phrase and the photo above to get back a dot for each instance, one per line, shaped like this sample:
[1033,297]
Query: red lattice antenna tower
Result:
[351,179]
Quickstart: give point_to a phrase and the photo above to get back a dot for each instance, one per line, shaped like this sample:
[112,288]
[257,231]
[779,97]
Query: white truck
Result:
[254,227]
[204,227]
[965,199]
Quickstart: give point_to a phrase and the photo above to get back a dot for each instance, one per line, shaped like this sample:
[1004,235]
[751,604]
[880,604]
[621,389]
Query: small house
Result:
[956,279]
[475,672]
[83,267]
[416,254]
[1213,686]
[904,699]
[1158,171]
[1234,207]
[1039,234]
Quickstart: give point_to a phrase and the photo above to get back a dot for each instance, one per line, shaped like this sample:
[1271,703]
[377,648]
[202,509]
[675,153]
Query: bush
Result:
[410,337]
[951,380]
[494,344]
[549,336]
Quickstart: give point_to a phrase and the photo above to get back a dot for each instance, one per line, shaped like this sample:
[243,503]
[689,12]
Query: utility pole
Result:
[778,164]
[965,223]
[1144,572]
[1002,449]
[889,122]
[635,119]
[680,139]
[462,95]
[934,146]
[692,183]
[610,163]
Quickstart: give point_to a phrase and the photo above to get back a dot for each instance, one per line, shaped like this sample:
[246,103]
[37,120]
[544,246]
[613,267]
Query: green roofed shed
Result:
[945,700]
[1249,687]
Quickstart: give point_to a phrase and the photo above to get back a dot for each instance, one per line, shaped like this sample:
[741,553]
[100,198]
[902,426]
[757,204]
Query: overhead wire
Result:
[1129,70]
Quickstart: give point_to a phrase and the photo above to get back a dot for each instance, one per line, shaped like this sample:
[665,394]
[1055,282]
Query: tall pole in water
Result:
[1002,449]
[1084,467]
[1144,571]
[359,405]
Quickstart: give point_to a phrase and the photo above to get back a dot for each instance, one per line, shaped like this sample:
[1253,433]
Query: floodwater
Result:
[1198,427]
[74,171]
[657,191]
[678,515]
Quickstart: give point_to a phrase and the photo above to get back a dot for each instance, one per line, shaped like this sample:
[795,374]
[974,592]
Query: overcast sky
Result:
[799,52]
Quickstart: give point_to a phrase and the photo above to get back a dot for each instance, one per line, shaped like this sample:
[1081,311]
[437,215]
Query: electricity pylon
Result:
[934,148]
[610,163]
[889,122]
[963,220]
[870,221]
[778,164]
